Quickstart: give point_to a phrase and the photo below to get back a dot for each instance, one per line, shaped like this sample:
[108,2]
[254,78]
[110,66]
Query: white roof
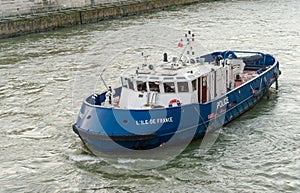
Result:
[169,71]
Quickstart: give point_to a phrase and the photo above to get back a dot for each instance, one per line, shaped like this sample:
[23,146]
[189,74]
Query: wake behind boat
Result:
[176,99]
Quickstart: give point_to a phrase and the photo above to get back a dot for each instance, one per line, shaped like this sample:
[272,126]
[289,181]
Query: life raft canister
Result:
[174,103]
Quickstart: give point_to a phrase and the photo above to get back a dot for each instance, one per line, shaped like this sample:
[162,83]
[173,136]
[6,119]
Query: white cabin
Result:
[177,82]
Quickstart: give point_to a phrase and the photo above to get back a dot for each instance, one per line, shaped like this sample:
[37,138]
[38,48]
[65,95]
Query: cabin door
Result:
[204,89]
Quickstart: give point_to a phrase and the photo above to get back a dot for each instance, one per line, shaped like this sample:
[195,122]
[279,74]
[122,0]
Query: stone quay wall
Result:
[45,21]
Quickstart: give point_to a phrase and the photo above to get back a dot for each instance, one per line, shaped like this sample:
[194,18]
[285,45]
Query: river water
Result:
[44,78]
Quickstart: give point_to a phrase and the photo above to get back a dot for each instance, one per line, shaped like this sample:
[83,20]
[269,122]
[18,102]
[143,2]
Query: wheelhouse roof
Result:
[163,73]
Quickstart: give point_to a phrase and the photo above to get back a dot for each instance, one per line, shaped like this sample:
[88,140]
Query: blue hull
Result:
[116,130]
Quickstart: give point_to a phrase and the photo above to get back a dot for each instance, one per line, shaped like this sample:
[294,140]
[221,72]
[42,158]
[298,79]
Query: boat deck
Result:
[246,76]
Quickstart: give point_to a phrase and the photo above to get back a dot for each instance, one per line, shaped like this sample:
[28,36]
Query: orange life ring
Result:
[174,101]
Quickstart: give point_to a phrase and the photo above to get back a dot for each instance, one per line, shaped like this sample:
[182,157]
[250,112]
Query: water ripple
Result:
[45,76]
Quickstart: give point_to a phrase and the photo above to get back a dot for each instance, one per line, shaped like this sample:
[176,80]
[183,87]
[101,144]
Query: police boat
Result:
[176,99]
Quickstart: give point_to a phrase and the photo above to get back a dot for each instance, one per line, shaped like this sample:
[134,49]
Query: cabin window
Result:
[142,77]
[204,81]
[130,84]
[154,78]
[194,85]
[168,78]
[154,86]
[124,82]
[141,86]
[183,86]
[169,87]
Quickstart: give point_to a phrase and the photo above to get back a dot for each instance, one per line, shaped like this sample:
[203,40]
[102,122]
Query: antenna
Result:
[103,79]
[145,56]
[189,37]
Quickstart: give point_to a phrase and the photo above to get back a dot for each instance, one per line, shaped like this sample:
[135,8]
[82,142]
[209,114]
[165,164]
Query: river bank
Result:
[34,23]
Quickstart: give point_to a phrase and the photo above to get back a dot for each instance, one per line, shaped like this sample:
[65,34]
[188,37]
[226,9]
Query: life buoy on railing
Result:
[174,103]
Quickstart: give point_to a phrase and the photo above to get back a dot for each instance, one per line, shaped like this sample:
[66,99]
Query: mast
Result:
[189,38]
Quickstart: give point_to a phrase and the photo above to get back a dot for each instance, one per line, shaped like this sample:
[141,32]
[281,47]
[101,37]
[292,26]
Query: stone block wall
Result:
[21,7]
[44,21]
